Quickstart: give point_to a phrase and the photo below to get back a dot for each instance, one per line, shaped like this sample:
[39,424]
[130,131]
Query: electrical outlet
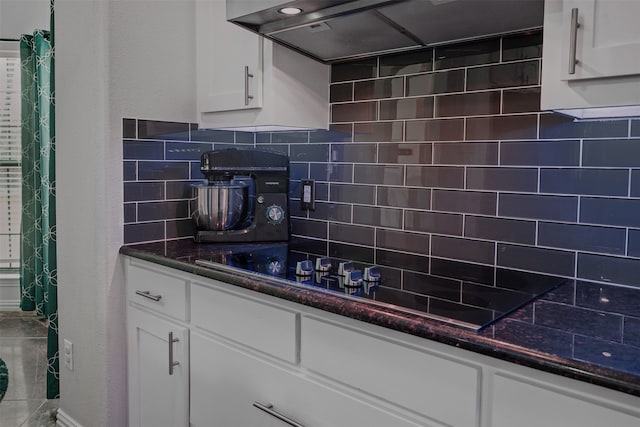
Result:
[308,196]
[68,354]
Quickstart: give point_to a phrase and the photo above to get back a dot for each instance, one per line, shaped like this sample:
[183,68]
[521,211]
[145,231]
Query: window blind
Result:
[10,157]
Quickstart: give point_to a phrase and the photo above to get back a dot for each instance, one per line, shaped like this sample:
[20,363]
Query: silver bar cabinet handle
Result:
[172,364]
[572,40]
[268,408]
[247,76]
[149,295]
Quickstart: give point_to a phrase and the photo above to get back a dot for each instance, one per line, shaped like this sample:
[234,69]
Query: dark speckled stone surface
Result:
[585,331]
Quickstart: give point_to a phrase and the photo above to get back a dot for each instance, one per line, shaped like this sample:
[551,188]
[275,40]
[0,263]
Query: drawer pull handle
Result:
[572,41]
[268,408]
[172,363]
[149,295]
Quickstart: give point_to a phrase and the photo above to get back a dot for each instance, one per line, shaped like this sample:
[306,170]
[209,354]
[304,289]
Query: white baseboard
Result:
[9,292]
[10,305]
[65,420]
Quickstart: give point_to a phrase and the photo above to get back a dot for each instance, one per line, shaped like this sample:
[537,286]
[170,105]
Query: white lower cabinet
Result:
[227,384]
[158,371]
[238,349]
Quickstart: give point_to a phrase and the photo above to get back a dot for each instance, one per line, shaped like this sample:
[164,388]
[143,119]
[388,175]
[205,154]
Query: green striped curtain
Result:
[38,274]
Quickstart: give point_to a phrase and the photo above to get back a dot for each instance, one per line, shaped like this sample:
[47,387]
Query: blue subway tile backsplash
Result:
[504,75]
[522,46]
[379,88]
[470,202]
[160,162]
[435,83]
[609,269]
[501,127]
[500,229]
[466,153]
[556,126]
[479,251]
[129,128]
[153,129]
[604,182]
[129,171]
[406,63]
[540,153]
[140,191]
[162,171]
[209,135]
[582,237]
[366,68]
[502,179]
[622,212]
[438,162]
[521,100]
[611,153]
[185,151]
[538,207]
[549,261]
[466,54]
[143,150]
[378,131]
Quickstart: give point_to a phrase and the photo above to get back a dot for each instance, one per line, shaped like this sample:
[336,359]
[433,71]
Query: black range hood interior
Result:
[338,30]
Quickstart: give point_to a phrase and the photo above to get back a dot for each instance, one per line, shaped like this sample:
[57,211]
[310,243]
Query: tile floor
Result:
[23,347]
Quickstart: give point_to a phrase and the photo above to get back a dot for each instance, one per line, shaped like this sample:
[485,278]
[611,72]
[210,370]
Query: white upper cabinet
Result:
[607,38]
[229,61]
[244,80]
[590,66]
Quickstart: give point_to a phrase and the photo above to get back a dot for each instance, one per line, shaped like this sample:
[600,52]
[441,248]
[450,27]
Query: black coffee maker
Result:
[245,197]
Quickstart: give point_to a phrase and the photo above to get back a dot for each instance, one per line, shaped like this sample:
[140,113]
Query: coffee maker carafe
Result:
[245,197]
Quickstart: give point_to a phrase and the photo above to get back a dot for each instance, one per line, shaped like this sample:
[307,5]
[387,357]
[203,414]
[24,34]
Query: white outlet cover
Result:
[68,354]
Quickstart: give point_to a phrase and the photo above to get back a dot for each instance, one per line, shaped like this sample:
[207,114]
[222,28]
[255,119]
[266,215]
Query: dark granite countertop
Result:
[584,342]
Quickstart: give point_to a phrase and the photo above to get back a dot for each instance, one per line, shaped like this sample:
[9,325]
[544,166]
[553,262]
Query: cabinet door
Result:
[225,383]
[157,398]
[228,61]
[607,39]
[518,402]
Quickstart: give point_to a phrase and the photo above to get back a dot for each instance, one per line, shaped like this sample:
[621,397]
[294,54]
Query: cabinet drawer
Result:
[157,289]
[439,388]
[225,383]
[261,326]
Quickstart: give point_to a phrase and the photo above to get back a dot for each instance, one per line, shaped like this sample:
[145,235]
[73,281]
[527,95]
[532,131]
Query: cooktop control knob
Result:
[323,264]
[274,266]
[344,268]
[354,279]
[275,214]
[371,274]
[304,268]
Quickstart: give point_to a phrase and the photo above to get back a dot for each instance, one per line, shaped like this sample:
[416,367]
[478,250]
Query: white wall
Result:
[19,17]
[114,59]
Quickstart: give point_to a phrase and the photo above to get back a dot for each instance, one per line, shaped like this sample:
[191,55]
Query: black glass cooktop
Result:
[461,302]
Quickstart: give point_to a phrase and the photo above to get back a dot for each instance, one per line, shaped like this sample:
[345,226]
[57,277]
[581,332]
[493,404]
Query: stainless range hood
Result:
[337,30]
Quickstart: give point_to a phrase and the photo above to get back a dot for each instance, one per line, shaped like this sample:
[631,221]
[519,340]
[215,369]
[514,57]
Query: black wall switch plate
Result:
[308,195]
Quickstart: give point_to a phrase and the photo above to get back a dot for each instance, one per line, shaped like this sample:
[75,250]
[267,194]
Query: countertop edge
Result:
[411,324]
